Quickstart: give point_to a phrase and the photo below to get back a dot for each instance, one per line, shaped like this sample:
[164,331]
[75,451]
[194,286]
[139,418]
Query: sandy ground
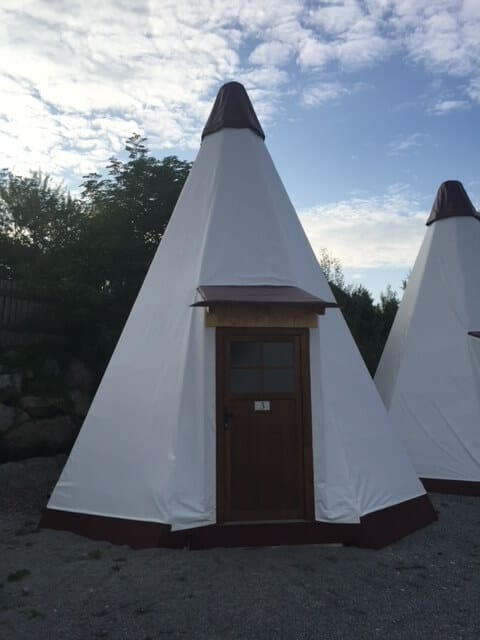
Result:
[56,585]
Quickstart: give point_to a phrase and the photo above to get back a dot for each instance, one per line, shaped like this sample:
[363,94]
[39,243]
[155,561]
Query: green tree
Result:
[90,253]
[368,322]
[40,224]
[332,269]
[128,213]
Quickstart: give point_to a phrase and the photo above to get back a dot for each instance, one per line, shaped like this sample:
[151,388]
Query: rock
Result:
[79,376]
[10,386]
[31,472]
[51,368]
[7,417]
[11,355]
[21,417]
[43,406]
[29,373]
[81,402]
[47,436]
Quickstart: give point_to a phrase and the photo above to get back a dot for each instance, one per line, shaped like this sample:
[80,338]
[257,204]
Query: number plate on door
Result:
[261,405]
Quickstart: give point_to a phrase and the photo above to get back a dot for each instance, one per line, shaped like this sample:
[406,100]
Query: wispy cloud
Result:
[378,231]
[443,35]
[325,92]
[68,74]
[321,93]
[406,143]
[446,106]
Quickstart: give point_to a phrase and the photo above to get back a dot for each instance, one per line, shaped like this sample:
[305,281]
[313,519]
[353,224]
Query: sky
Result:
[367,105]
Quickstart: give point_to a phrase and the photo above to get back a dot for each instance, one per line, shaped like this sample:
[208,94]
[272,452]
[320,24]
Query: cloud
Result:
[443,35]
[390,228]
[155,65]
[335,17]
[446,106]
[406,143]
[321,93]
[474,89]
[271,53]
[313,53]
[324,92]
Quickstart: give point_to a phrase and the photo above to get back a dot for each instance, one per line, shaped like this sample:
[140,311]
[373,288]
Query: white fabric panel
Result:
[373,465]
[428,375]
[147,448]
[131,458]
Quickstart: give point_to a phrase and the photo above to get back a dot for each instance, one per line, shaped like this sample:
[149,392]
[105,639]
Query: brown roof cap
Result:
[451,201]
[253,296]
[232,109]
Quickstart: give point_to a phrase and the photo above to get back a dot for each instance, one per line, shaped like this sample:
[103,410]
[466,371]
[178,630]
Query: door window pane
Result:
[277,354]
[278,380]
[245,381]
[245,354]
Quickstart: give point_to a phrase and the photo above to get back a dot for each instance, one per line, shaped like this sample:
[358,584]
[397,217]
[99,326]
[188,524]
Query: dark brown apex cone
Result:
[451,201]
[233,110]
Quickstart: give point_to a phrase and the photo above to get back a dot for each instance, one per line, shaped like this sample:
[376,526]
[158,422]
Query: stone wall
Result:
[43,401]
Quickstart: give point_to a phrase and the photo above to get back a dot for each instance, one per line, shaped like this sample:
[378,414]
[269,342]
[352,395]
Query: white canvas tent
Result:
[429,373]
[236,395]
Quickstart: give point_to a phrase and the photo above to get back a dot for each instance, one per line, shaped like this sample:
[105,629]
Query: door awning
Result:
[217,296]
[475,334]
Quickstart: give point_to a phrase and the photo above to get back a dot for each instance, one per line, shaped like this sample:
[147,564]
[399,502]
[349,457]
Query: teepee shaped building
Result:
[236,395]
[429,373]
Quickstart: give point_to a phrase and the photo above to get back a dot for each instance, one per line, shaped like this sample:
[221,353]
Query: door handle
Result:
[227,417]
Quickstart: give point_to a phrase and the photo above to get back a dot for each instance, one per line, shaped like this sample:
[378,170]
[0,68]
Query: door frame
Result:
[306,412]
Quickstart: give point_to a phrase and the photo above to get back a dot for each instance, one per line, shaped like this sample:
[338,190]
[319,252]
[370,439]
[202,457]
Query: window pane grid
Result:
[261,367]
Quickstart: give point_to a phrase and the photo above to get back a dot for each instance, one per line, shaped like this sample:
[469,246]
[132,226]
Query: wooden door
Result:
[264,451]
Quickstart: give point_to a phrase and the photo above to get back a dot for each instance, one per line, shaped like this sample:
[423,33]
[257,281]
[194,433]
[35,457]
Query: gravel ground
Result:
[56,585]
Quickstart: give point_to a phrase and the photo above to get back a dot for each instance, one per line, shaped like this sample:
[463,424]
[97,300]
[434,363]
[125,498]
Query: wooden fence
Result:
[24,316]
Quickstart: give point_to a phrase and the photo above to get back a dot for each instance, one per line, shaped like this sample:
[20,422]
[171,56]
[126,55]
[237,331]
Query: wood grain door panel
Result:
[263,457]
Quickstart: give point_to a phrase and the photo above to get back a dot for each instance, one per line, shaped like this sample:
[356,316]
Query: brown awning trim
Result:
[475,334]
[451,201]
[215,296]
[232,109]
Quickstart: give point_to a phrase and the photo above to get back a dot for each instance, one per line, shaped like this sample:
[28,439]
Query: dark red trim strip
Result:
[374,531]
[458,487]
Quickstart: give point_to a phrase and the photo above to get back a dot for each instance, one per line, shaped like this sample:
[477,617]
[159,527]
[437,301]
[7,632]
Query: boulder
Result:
[51,368]
[21,416]
[79,376]
[81,402]
[7,417]
[31,472]
[43,406]
[10,386]
[52,435]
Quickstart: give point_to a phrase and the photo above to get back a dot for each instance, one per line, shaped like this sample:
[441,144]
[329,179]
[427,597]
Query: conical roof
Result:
[428,372]
[147,449]
[233,109]
[451,201]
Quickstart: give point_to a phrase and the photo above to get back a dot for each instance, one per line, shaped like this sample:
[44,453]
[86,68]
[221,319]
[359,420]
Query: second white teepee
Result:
[429,373]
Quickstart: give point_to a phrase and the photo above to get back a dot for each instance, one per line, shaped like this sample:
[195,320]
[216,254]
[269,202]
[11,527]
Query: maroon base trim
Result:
[374,531]
[459,487]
